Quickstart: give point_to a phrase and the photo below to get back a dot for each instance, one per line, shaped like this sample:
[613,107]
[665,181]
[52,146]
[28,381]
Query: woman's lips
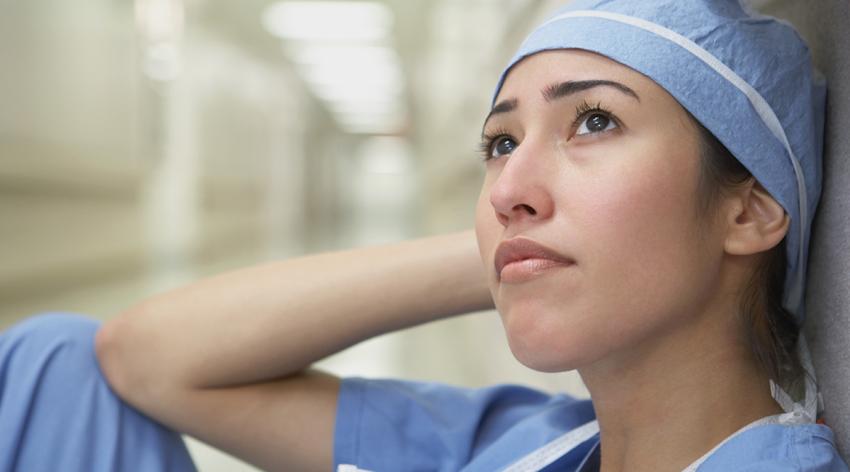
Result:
[527,269]
[521,259]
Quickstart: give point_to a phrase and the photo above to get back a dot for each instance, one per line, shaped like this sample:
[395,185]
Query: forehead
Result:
[534,72]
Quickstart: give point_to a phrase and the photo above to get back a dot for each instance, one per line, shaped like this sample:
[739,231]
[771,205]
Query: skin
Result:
[648,312]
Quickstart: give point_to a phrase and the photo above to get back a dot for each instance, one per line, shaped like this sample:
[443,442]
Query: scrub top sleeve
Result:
[386,425]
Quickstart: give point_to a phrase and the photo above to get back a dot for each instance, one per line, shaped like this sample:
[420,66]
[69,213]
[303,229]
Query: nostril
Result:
[528,208]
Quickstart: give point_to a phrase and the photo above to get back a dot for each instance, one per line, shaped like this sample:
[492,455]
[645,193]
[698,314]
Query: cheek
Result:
[641,269]
[642,218]
[645,262]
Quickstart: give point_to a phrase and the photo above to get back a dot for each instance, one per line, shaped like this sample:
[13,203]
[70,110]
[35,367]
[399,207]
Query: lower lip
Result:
[528,269]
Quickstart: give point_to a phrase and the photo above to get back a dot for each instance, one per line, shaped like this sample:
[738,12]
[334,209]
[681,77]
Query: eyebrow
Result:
[556,91]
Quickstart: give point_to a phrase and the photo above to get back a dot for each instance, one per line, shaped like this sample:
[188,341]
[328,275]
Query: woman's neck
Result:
[664,404]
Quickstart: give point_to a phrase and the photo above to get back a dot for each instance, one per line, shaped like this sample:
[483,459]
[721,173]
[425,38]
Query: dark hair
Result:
[770,329]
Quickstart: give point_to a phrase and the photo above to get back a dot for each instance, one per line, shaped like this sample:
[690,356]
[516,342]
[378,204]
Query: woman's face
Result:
[600,165]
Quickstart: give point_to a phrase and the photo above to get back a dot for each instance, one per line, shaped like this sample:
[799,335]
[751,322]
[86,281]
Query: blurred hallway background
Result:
[146,144]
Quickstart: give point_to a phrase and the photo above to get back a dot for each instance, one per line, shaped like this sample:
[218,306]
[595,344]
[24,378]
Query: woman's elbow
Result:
[109,350]
[123,355]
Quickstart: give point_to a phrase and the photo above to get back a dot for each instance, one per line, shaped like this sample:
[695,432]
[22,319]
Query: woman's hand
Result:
[225,359]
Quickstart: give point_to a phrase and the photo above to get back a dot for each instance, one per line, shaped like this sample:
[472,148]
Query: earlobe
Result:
[756,221]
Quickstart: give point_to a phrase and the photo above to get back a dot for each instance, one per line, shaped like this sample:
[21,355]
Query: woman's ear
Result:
[755,221]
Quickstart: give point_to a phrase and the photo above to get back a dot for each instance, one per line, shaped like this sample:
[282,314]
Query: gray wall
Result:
[825,24]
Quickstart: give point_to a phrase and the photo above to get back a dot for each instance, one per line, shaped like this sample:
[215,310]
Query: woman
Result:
[651,174]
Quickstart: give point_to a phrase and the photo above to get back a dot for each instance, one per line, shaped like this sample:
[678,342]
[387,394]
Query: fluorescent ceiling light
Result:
[369,129]
[365,77]
[160,20]
[162,62]
[368,119]
[328,20]
[355,91]
[339,49]
[386,155]
[372,99]
[340,86]
[384,124]
[350,71]
[314,54]
[368,114]
[366,108]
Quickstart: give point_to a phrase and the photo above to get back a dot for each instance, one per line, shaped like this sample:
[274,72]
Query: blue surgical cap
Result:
[746,77]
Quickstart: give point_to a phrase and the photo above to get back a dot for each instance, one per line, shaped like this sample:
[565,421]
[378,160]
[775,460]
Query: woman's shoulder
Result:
[778,447]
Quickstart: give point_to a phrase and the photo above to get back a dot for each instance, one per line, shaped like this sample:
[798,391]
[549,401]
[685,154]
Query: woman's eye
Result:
[502,146]
[595,123]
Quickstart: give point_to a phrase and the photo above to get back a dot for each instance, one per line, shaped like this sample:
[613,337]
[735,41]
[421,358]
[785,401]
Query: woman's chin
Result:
[548,352]
[543,363]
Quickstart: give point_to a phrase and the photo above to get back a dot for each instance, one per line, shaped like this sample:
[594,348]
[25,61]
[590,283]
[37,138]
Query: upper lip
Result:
[518,249]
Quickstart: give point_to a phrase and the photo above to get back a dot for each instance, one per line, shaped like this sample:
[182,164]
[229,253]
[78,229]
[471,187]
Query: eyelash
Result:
[582,110]
[485,147]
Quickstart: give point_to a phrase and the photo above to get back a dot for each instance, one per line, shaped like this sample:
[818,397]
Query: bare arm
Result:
[226,359]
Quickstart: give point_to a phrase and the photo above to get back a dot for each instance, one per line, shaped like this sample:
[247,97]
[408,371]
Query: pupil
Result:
[504,146]
[597,122]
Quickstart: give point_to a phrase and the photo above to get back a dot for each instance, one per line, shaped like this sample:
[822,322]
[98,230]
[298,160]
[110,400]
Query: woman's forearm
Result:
[276,319]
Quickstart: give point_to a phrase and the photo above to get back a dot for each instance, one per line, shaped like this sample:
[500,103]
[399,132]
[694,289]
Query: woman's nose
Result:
[522,190]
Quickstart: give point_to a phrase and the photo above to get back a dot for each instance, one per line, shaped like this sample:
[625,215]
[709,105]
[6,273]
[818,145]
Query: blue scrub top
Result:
[390,425]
